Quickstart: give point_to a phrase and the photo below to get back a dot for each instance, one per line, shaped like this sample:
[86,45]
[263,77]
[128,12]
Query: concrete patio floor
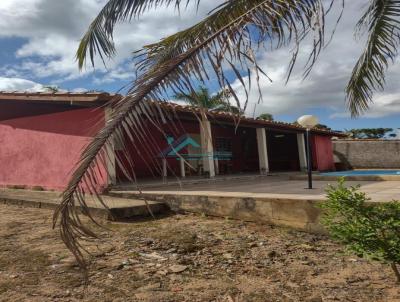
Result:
[279,187]
[119,208]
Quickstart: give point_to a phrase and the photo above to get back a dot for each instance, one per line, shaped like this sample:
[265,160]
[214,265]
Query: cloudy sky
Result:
[39,38]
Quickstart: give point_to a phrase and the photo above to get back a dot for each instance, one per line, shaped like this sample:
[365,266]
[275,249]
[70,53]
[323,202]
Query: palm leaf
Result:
[98,40]
[229,45]
[382,22]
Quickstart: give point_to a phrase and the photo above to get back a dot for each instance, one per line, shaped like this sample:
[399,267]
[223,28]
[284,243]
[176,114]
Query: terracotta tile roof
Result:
[62,97]
[227,116]
[99,98]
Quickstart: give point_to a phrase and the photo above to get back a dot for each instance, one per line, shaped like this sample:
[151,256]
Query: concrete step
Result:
[119,208]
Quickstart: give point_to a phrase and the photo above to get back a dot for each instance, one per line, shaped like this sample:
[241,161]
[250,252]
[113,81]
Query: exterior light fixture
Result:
[308,122]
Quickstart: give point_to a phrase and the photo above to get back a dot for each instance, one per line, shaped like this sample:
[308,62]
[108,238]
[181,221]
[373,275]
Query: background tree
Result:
[51,88]
[318,126]
[371,133]
[323,127]
[202,99]
[227,39]
[266,117]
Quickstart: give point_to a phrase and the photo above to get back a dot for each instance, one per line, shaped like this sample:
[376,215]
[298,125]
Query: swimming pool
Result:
[362,173]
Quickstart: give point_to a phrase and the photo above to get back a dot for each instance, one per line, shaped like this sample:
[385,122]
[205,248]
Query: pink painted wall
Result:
[323,153]
[42,150]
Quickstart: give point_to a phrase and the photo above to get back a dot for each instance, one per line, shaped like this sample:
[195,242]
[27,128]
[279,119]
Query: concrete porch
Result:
[272,199]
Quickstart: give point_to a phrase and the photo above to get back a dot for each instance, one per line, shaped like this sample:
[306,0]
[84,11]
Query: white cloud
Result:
[325,86]
[16,84]
[53,30]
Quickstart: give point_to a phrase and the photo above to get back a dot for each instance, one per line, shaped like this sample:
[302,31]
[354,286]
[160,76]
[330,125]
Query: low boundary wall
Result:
[367,154]
[300,214]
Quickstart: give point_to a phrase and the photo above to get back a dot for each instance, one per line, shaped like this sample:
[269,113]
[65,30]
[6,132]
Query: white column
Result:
[262,150]
[164,169]
[182,164]
[110,157]
[207,148]
[302,151]
[216,164]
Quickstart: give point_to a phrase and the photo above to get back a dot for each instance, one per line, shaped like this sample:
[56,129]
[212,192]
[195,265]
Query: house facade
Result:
[43,134]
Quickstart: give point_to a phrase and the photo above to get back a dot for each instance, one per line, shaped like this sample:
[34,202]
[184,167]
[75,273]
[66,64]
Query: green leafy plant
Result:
[266,117]
[368,229]
[371,133]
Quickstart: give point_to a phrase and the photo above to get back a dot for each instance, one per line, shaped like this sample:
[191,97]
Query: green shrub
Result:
[368,229]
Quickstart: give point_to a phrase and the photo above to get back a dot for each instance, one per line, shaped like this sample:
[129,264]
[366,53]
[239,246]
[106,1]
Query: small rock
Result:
[316,298]
[133,261]
[110,276]
[171,250]
[292,285]
[306,247]
[153,256]
[228,256]
[176,289]
[177,268]
[150,287]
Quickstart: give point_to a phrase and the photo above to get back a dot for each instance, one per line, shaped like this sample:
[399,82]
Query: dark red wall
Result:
[323,153]
[143,155]
[18,109]
[42,150]
[244,148]
[144,160]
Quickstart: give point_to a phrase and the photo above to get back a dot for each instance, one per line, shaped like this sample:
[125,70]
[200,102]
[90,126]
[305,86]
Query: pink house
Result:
[43,134]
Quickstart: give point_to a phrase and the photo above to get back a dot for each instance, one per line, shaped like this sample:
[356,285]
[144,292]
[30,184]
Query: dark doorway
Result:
[283,151]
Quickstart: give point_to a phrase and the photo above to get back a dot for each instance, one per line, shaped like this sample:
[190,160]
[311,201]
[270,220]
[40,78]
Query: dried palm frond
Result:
[382,23]
[98,40]
[226,48]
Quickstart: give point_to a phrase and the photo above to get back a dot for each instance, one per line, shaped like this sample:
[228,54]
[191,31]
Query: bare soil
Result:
[183,258]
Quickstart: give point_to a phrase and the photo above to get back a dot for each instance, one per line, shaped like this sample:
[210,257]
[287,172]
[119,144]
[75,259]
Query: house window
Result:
[223,144]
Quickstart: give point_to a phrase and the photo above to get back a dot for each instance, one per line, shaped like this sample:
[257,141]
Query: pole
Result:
[309,163]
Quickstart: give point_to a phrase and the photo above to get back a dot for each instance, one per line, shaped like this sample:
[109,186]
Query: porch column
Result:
[262,150]
[207,148]
[216,163]
[302,151]
[182,165]
[164,170]
[110,158]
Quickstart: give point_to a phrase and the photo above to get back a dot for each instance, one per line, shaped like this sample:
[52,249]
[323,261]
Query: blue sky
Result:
[38,40]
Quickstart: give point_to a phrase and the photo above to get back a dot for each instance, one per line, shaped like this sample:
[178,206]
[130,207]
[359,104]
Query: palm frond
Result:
[98,40]
[382,22]
[207,57]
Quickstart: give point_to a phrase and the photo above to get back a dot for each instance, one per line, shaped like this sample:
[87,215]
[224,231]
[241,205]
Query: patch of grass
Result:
[22,259]
[183,239]
[5,286]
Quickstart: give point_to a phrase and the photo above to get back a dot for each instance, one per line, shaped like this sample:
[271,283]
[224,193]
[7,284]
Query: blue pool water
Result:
[362,172]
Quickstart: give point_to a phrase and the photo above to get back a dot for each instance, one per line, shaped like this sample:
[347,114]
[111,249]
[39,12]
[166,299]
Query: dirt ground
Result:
[183,258]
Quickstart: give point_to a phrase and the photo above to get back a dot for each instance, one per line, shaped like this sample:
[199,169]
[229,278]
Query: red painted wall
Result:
[42,150]
[143,157]
[323,153]
[145,163]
